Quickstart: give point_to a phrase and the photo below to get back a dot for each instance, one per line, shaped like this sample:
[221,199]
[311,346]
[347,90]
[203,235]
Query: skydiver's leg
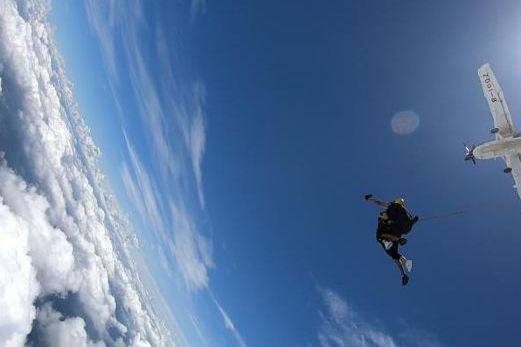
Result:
[400,267]
[406,264]
[397,257]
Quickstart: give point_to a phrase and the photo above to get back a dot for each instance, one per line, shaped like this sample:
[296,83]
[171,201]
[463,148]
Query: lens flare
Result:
[405,122]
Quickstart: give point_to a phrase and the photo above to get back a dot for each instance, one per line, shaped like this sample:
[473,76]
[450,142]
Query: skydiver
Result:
[393,223]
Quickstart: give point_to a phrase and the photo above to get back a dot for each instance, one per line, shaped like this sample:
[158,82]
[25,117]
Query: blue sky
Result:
[290,107]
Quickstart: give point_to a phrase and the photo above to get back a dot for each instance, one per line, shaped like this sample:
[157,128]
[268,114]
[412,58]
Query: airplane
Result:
[507,143]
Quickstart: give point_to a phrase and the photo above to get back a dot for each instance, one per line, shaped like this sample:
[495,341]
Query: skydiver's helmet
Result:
[400,201]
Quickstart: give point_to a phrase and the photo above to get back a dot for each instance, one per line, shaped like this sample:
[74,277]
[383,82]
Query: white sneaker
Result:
[408,265]
[387,244]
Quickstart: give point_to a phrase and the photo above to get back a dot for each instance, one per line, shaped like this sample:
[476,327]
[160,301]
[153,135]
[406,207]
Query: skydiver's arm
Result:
[369,197]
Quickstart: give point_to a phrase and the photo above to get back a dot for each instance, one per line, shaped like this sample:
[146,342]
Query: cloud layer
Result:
[66,272]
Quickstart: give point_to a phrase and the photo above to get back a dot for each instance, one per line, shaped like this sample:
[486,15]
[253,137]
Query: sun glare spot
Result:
[405,122]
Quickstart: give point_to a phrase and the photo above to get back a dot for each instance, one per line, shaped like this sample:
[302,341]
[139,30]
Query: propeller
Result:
[469,153]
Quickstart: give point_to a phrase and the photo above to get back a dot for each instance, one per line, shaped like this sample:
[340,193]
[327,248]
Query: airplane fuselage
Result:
[498,148]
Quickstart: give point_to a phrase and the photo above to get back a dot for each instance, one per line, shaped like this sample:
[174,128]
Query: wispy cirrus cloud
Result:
[170,107]
[197,138]
[342,326]
[173,121]
[173,226]
[141,189]
[192,251]
[228,324]
[102,22]
[171,110]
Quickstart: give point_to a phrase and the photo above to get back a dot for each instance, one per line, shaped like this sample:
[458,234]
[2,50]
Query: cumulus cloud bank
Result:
[67,277]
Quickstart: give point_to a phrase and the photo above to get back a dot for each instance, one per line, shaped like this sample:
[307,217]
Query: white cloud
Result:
[18,283]
[141,190]
[51,253]
[173,122]
[228,323]
[63,237]
[198,138]
[342,326]
[101,20]
[196,324]
[176,231]
[192,251]
[171,109]
[149,103]
[61,332]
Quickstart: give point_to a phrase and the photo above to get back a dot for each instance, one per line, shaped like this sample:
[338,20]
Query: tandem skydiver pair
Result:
[394,222]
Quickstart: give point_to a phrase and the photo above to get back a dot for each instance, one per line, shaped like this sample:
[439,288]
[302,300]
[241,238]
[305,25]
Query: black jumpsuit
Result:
[384,227]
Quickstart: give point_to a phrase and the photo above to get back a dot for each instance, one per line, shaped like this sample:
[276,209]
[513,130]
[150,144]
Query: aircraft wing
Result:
[496,102]
[514,162]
